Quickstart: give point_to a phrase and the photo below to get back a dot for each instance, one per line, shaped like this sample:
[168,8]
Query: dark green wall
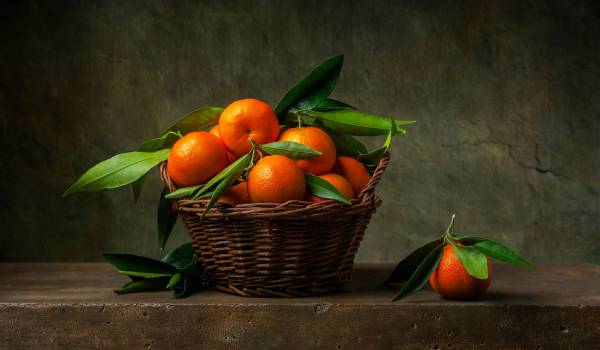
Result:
[506,94]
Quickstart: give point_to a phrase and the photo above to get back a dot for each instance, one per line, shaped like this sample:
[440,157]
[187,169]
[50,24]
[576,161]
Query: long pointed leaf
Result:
[241,162]
[175,280]
[345,144]
[500,252]
[474,261]
[421,275]
[135,265]
[181,257]
[136,188]
[199,119]
[148,146]
[353,122]
[408,265]
[372,158]
[143,285]
[319,103]
[182,192]
[166,218]
[290,149]
[320,82]
[324,189]
[117,171]
[229,179]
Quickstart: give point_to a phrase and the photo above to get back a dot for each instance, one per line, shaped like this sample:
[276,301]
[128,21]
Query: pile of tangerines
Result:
[199,156]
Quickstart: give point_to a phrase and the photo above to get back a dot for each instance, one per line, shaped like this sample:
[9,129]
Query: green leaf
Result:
[143,285]
[494,250]
[319,83]
[117,171]
[290,149]
[320,104]
[324,189]
[229,179]
[421,275]
[184,289]
[181,257]
[182,192]
[474,261]
[148,146]
[166,218]
[345,144]
[194,281]
[199,119]
[234,167]
[408,265]
[174,280]
[353,122]
[136,188]
[157,143]
[372,158]
[139,266]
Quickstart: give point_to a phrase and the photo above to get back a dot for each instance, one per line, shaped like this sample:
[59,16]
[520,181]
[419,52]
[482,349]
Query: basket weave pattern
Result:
[279,249]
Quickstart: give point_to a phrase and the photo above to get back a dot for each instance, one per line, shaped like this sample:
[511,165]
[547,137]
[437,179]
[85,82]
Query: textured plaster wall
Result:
[506,94]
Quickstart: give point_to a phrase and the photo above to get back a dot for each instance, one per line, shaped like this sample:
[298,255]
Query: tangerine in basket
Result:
[276,179]
[339,182]
[354,171]
[230,157]
[452,281]
[244,120]
[318,140]
[195,158]
[215,130]
[236,194]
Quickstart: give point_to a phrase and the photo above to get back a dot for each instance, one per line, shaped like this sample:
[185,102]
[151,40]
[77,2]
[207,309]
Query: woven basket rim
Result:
[365,198]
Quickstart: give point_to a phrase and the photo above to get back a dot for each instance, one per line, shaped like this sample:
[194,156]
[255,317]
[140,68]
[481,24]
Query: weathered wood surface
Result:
[58,306]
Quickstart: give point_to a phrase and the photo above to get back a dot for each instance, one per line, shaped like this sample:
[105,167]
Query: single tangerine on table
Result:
[195,158]
[354,171]
[452,281]
[339,182]
[276,179]
[316,139]
[244,120]
[236,194]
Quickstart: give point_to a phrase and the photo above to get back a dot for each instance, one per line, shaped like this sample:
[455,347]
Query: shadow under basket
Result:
[290,249]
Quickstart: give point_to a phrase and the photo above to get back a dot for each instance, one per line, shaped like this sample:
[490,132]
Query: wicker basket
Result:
[287,249]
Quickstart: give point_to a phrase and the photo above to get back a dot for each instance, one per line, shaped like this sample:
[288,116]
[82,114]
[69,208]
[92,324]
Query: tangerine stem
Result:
[450,228]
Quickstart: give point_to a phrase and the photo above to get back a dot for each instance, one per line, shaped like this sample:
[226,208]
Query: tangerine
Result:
[195,158]
[244,120]
[318,140]
[354,171]
[339,182]
[215,130]
[276,179]
[230,157]
[452,281]
[236,194]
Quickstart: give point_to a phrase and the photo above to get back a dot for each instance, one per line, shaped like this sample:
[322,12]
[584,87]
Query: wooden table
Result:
[71,305]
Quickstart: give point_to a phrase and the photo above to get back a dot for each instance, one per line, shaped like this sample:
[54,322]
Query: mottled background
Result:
[506,94]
